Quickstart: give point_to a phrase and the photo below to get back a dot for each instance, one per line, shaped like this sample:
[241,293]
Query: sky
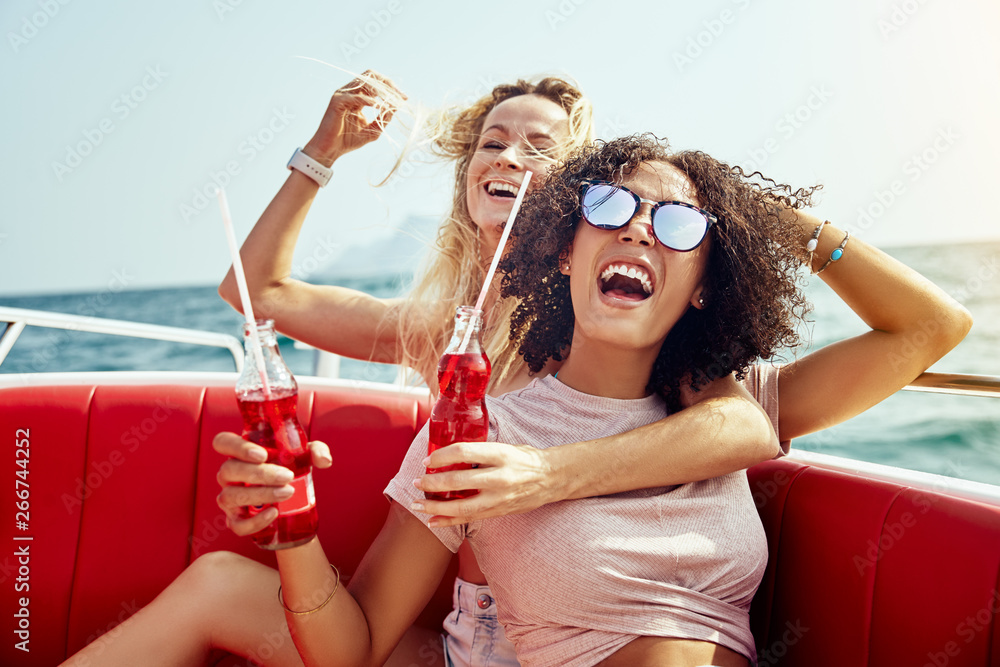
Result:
[121,116]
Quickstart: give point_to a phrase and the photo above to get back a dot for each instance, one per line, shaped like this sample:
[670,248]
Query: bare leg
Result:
[221,601]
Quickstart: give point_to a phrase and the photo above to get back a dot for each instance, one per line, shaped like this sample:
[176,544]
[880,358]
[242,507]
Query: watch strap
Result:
[313,169]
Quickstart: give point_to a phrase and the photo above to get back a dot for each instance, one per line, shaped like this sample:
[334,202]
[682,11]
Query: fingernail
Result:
[426,462]
[283,476]
[284,492]
[257,454]
[416,483]
[433,523]
[417,507]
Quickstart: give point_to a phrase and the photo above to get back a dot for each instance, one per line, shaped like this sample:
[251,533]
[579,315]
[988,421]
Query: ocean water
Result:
[957,436]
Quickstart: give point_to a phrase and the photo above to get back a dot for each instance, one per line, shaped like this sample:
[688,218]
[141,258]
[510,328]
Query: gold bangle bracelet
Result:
[336,587]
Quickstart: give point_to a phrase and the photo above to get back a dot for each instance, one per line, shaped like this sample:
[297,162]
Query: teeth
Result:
[629,272]
[494,186]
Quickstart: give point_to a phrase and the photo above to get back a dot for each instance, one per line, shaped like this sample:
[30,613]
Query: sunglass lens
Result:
[606,206]
[679,227]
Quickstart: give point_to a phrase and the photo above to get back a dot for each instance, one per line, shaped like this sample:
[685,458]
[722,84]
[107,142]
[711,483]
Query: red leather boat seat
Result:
[122,489]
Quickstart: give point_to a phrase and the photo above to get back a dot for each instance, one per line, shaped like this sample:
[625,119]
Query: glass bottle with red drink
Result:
[459,415]
[269,420]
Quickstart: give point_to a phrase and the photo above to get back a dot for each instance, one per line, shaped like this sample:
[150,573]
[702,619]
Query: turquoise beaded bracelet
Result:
[837,253]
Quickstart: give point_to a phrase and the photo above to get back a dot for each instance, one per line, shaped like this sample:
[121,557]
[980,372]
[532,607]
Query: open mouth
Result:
[501,189]
[630,283]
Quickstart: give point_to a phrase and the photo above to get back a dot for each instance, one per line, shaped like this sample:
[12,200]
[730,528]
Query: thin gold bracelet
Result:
[314,610]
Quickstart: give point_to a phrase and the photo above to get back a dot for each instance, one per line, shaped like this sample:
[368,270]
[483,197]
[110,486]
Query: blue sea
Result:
[957,436]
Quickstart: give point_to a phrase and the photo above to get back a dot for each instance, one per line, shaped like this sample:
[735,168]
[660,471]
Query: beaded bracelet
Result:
[315,609]
[837,253]
[814,240]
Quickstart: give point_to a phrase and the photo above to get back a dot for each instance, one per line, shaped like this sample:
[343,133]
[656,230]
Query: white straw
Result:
[498,254]
[241,283]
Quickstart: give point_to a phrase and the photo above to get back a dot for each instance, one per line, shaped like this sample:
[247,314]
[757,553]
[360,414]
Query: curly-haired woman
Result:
[659,576]
[493,142]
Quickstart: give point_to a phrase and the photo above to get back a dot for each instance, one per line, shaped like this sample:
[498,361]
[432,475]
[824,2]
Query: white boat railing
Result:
[328,365]
[19,318]
[956,383]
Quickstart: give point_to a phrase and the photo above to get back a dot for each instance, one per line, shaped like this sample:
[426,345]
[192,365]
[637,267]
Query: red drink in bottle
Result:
[269,420]
[459,415]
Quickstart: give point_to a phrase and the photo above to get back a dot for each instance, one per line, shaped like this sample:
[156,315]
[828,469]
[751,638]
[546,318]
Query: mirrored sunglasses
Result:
[676,224]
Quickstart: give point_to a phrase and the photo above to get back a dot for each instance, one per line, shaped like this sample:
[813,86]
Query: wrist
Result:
[563,482]
[326,158]
[310,167]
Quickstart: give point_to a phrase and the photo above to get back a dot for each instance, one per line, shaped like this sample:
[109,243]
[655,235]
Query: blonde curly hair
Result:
[453,272]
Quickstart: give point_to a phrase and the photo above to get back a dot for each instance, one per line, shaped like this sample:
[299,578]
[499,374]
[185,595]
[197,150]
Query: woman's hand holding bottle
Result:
[247,479]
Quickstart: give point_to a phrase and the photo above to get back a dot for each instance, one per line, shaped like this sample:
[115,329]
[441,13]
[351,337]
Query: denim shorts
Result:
[473,636]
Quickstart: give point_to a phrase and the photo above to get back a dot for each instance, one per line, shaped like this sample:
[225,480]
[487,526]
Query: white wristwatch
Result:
[310,167]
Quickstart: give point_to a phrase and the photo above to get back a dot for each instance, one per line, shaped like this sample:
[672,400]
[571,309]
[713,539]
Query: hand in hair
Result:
[344,127]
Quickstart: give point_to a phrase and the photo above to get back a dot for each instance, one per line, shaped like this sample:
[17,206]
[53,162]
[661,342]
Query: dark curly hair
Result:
[751,278]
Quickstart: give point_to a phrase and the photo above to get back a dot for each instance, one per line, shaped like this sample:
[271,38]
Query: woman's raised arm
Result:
[913,324]
[337,319]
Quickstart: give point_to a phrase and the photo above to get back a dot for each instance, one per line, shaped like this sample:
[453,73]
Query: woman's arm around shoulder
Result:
[722,430]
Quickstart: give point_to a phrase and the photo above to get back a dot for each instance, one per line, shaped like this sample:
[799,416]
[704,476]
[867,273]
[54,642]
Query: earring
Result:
[701,301]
